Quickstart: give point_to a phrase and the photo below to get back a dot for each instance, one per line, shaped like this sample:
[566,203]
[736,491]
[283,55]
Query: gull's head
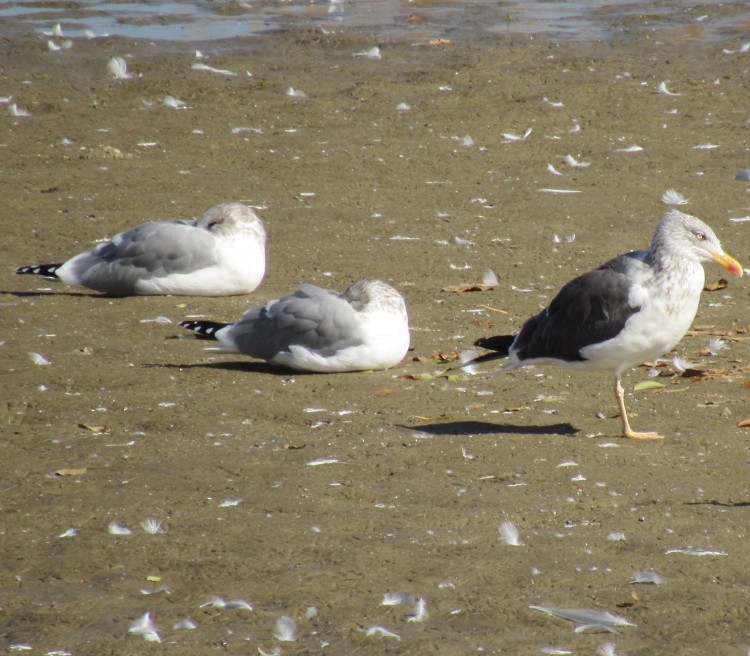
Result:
[372,295]
[681,235]
[228,219]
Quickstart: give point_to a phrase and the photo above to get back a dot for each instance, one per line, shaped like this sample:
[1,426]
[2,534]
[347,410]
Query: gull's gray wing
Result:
[151,250]
[315,318]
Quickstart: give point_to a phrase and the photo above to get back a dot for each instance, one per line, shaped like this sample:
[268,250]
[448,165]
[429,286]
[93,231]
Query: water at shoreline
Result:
[582,20]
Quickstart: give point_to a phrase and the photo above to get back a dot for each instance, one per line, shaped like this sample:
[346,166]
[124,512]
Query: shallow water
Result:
[583,20]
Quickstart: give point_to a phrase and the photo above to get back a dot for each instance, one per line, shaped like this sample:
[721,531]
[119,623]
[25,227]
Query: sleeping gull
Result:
[631,309]
[315,329]
[220,254]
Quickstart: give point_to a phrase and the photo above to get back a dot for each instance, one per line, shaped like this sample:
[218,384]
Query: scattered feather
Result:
[691,551]
[680,364]
[295,93]
[238,604]
[716,344]
[555,104]
[553,170]
[70,533]
[509,534]
[174,103]
[572,161]
[490,278]
[420,611]
[117,67]
[199,66]
[157,319]
[616,536]
[372,53]
[630,149]
[230,503]
[322,461]
[152,526]
[745,47]
[516,137]
[15,110]
[276,651]
[381,631]
[397,598]
[706,146]
[55,31]
[403,107]
[463,242]
[559,191]
[649,577]
[673,197]
[38,359]
[587,619]
[663,89]
[286,629]
[555,651]
[647,385]
[607,649]
[186,624]
[116,529]
[145,627]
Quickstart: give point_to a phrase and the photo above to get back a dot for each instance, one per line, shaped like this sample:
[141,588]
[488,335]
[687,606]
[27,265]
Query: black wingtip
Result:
[499,343]
[46,270]
[204,329]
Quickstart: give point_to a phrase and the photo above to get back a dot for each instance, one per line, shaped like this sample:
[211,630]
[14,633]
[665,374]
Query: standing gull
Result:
[631,309]
[315,329]
[221,254]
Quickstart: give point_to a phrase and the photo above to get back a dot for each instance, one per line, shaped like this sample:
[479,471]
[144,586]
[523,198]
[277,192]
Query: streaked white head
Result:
[228,219]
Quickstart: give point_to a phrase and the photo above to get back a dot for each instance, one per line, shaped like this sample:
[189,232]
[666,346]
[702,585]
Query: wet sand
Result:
[134,420]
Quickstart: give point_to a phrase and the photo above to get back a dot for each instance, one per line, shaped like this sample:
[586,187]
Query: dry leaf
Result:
[745,423]
[94,429]
[71,472]
[469,287]
[294,447]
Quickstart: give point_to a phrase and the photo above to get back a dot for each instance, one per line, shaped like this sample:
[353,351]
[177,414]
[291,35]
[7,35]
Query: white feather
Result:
[509,534]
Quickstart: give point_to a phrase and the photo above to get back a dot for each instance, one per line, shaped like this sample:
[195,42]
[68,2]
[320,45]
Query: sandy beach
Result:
[313,496]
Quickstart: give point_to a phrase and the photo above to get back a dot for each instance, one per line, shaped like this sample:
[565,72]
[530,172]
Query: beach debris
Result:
[295,93]
[587,619]
[420,611]
[745,47]
[630,149]
[403,107]
[70,533]
[509,534]
[145,627]
[553,170]
[322,461]
[607,649]
[743,175]
[552,103]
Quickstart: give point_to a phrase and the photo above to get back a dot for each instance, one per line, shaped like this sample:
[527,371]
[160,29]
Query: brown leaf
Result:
[294,447]
[70,472]
[483,323]
[469,287]
[94,429]
[745,423]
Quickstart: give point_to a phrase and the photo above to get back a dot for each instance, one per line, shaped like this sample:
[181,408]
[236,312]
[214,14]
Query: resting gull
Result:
[631,309]
[220,254]
[319,330]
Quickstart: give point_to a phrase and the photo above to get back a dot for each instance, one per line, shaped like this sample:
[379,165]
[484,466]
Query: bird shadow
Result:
[240,365]
[52,292]
[721,504]
[488,428]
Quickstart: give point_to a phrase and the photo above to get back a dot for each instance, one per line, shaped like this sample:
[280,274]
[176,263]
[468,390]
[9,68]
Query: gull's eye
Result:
[700,236]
